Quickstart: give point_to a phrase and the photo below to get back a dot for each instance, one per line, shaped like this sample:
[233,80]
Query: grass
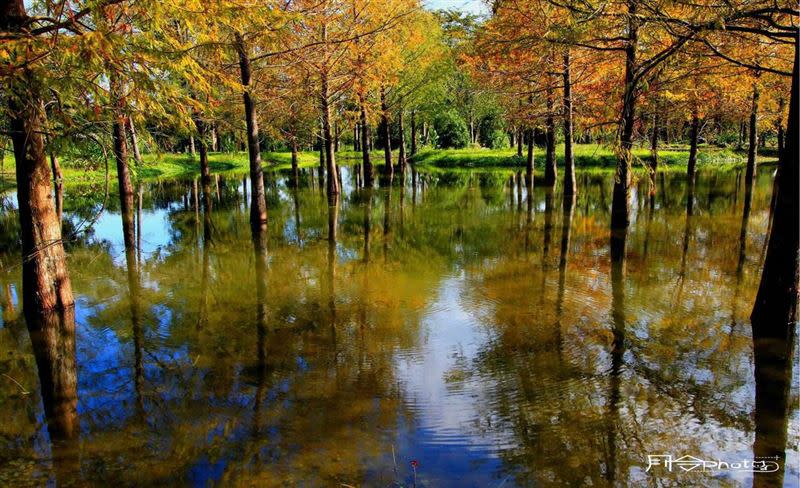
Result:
[587,156]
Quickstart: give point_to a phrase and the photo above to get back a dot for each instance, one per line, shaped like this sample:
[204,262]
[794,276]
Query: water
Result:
[457,332]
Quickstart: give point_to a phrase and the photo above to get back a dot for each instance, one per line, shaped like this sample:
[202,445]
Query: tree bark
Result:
[258,203]
[620,206]
[570,187]
[775,310]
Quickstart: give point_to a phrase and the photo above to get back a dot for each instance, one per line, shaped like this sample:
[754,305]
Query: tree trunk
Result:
[137,156]
[120,141]
[365,156]
[388,170]
[620,206]
[550,171]
[654,153]
[752,150]
[413,133]
[58,183]
[775,310]
[401,157]
[520,137]
[202,129]
[330,158]
[191,146]
[295,166]
[695,133]
[530,161]
[46,285]
[258,203]
[570,187]
[356,136]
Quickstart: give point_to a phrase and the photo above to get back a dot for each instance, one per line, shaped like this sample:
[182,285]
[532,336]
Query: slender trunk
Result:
[620,207]
[653,168]
[58,183]
[365,156]
[202,129]
[386,135]
[401,157]
[752,150]
[413,133]
[120,141]
[258,203]
[530,162]
[137,156]
[695,132]
[330,158]
[46,285]
[356,134]
[570,187]
[550,171]
[775,310]
[295,166]
[520,137]
[191,146]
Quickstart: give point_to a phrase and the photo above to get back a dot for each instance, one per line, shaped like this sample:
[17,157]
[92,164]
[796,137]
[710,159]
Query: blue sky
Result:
[472,6]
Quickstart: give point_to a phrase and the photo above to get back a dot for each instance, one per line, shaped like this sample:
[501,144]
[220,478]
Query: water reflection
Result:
[218,352]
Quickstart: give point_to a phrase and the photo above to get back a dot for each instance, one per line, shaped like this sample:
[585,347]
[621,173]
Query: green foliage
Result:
[451,130]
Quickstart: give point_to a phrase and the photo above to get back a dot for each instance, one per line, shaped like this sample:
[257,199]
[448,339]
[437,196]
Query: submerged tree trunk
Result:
[694,135]
[550,171]
[620,206]
[570,187]
[330,157]
[258,203]
[653,167]
[401,157]
[120,140]
[388,170]
[45,281]
[530,160]
[365,156]
[752,150]
[775,310]
[295,166]
[202,130]
[413,133]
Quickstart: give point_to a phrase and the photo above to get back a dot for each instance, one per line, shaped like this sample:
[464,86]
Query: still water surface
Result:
[457,330]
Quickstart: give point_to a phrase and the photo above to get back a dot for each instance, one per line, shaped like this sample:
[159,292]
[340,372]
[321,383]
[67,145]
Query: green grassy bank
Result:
[587,156]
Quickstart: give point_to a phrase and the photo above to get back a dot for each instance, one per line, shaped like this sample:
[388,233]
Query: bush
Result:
[451,130]
[492,133]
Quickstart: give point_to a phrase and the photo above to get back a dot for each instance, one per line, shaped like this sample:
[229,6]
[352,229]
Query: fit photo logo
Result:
[693,464]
